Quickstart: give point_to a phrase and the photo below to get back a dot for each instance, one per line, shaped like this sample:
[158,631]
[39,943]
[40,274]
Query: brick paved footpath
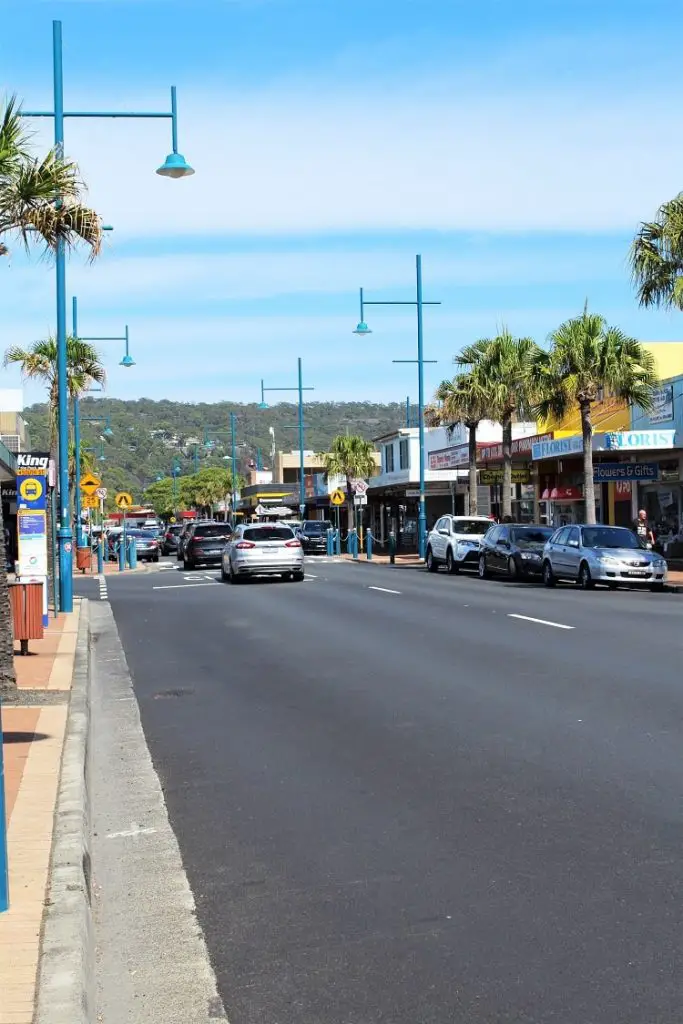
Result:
[33,740]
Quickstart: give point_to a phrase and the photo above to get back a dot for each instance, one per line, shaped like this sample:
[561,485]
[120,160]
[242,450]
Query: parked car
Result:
[257,549]
[169,541]
[601,554]
[454,542]
[113,537]
[514,550]
[313,536]
[204,544]
[146,544]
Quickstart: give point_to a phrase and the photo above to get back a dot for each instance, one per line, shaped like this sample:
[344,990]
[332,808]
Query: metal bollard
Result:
[368,545]
[330,542]
[355,545]
[122,554]
[337,543]
[392,548]
[132,553]
[100,556]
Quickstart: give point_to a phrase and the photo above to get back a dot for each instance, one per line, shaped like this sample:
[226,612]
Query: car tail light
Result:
[293,544]
[245,544]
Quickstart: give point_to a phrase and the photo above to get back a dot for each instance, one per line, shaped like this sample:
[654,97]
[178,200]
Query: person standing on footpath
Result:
[642,529]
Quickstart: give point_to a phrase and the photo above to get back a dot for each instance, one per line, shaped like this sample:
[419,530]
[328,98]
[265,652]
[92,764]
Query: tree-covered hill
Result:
[147,435]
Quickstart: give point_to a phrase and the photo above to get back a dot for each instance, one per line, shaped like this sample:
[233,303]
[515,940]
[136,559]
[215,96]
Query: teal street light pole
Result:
[174,166]
[300,391]
[175,470]
[125,361]
[363,329]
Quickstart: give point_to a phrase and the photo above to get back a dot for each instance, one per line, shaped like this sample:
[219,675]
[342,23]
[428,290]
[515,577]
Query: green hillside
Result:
[148,435]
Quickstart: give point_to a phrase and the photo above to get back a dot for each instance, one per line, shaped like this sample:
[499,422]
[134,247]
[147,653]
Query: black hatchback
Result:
[514,550]
[313,536]
[204,544]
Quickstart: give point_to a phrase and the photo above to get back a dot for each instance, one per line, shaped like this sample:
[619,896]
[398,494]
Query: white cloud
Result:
[346,159]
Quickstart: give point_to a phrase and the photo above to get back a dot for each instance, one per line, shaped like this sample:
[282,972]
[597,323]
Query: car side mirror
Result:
[573,543]
[444,531]
[505,543]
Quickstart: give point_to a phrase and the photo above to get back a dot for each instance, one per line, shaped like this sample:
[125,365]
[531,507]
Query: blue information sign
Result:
[606,471]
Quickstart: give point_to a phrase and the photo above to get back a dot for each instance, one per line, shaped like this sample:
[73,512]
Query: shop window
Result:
[403,455]
[388,458]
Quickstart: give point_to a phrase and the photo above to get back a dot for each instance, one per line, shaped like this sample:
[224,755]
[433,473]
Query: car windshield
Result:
[531,536]
[263,533]
[609,537]
[315,528]
[214,530]
[141,534]
[479,526]
[174,529]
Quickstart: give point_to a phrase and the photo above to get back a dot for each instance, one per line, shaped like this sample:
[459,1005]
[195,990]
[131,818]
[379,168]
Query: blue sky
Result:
[515,143]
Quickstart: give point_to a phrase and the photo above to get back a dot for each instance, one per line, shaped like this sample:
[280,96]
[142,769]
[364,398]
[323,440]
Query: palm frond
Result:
[656,257]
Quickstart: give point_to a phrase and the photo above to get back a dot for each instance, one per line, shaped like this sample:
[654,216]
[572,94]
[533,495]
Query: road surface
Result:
[420,799]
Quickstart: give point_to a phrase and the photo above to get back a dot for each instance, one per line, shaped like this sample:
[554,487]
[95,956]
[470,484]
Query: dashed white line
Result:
[385,590]
[131,832]
[541,622]
[102,583]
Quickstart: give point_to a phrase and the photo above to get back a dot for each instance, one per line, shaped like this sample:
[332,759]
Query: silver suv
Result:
[262,549]
[454,541]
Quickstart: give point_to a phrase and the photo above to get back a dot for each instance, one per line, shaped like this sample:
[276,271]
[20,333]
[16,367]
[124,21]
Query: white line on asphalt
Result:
[384,590]
[541,622]
[184,586]
[310,576]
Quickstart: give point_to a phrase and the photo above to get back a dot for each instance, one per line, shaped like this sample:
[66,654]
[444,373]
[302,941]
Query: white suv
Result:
[454,541]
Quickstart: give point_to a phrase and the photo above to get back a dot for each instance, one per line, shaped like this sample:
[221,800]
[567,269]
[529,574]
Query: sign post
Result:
[32,489]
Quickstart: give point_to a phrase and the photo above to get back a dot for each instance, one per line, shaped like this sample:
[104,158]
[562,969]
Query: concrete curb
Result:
[65,987]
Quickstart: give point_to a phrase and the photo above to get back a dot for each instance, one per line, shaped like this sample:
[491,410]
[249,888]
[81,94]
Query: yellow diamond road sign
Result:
[90,501]
[338,497]
[123,499]
[90,483]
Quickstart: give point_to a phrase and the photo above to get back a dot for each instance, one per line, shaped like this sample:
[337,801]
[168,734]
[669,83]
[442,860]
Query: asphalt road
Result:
[415,804]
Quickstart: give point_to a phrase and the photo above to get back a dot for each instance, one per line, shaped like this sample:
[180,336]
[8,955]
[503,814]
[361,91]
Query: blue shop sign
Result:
[630,439]
[606,471]
[560,446]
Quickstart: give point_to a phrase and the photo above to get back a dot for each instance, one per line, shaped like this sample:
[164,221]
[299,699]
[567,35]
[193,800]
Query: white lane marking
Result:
[102,583]
[186,586]
[131,832]
[310,576]
[541,622]
[384,590]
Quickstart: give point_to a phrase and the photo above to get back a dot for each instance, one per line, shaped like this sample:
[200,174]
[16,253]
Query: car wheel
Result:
[452,566]
[224,575]
[156,558]
[431,561]
[512,569]
[612,586]
[548,575]
[585,578]
[483,571]
[657,588]
[187,564]
[234,578]
[297,577]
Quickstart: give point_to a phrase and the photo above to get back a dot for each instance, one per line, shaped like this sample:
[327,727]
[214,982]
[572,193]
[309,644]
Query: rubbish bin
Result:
[83,559]
[26,600]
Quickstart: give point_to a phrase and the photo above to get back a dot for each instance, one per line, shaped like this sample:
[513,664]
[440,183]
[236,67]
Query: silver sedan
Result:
[611,555]
[262,549]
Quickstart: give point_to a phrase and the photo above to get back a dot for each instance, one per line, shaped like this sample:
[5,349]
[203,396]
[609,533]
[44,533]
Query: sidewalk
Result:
[33,740]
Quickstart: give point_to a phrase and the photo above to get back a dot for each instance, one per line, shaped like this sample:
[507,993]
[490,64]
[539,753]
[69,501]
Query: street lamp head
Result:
[362,328]
[175,166]
[262,405]
[103,458]
[127,361]
[107,432]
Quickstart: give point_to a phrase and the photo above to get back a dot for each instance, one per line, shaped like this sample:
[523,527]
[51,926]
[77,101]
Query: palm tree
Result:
[461,400]
[586,358]
[40,199]
[504,369]
[39,362]
[656,257]
[350,456]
